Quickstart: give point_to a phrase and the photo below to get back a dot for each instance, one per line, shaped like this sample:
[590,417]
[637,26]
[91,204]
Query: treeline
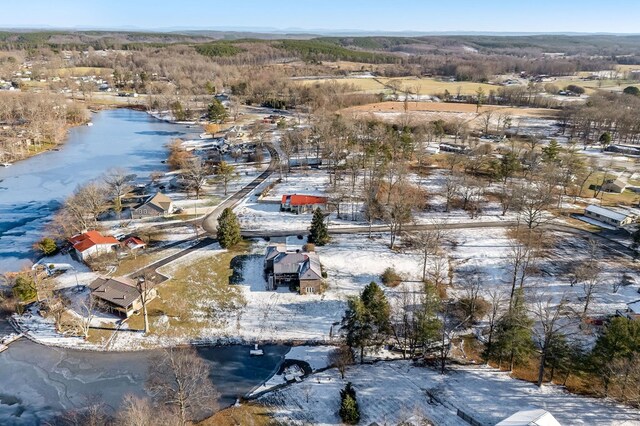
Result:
[614,114]
[30,121]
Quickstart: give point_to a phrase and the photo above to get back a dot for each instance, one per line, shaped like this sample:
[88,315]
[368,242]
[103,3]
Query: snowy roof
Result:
[530,417]
[611,214]
[634,306]
[310,269]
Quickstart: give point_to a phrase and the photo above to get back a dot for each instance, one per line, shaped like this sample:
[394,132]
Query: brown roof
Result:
[160,201]
[81,242]
[119,291]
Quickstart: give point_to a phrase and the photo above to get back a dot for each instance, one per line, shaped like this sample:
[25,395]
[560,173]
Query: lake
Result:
[31,190]
[38,381]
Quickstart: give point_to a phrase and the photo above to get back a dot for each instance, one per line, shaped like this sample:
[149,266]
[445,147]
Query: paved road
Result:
[209,223]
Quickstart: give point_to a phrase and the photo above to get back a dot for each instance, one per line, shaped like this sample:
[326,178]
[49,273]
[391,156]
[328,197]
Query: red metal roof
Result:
[81,242]
[303,200]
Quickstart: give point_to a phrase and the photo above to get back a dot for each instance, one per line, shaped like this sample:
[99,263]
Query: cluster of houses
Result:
[92,244]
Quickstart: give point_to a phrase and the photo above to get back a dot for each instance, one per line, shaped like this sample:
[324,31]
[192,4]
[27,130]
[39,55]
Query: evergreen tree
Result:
[620,341]
[551,151]
[367,319]
[47,246]
[228,229]
[605,139]
[349,410]
[512,339]
[319,235]
[216,112]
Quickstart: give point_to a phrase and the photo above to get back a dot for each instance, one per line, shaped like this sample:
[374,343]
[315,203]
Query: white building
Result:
[530,417]
[617,217]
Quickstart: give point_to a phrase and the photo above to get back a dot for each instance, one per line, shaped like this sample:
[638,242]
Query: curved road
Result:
[209,223]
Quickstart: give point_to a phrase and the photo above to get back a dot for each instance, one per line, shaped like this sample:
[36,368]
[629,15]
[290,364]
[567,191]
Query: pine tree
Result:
[349,410]
[513,340]
[367,319]
[318,232]
[228,229]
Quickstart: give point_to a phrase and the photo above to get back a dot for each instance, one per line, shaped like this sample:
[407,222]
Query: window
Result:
[311,290]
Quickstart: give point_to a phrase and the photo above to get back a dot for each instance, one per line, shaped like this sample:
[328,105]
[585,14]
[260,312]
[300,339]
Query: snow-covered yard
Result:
[397,392]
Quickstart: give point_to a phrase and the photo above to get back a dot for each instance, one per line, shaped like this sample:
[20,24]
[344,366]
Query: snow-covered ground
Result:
[398,392]
[316,356]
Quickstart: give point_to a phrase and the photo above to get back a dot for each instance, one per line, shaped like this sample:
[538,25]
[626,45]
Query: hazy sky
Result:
[620,16]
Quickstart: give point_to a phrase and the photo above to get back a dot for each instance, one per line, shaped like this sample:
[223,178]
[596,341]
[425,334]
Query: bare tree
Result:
[179,379]
[136,411]
[119,184]
[429,242]
[552,318]
[195,172]
[341,358]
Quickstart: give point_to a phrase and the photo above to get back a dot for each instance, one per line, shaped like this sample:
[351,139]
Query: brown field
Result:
[246,414]
[422,86]
[383,107]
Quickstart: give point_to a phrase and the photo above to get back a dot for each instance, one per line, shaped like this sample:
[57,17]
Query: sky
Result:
[615,16]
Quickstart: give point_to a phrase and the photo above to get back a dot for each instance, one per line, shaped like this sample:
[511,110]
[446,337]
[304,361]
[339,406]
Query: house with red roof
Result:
[92,244]
[134,243]
[299,203]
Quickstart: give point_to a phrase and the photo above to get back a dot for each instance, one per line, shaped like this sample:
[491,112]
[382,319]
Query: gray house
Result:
[293,269]
[155,206]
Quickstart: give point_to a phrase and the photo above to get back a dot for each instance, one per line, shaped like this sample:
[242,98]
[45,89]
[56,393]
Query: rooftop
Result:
[82,242]
[120,291]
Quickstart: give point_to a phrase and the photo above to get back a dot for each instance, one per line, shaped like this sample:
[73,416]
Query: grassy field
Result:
[423,86]
[81,71]
[451,108]
[197,296]
[246,414]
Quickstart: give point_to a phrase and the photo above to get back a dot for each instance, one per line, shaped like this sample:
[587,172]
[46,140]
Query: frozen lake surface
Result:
[31,190]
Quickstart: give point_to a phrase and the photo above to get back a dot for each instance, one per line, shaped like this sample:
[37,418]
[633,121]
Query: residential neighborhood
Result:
[301,213]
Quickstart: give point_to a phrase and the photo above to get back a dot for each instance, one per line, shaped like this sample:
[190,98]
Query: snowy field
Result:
[397,392]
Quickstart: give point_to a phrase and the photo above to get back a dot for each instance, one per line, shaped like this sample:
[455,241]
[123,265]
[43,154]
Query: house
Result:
[91,244]
[615,185]
[297,203]
[293,269]
[155,206]
[119,295]
[134,243]
[530,417]
[617,218]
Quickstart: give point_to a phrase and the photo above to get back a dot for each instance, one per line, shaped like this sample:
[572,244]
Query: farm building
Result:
[91,244]
[119,295]
[297,203]
[609,216]
[293,269]
[155,206]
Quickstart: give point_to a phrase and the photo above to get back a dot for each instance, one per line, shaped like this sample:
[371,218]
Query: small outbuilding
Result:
[615,185]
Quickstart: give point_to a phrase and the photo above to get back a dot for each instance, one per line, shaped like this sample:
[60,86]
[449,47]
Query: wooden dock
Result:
[9,339]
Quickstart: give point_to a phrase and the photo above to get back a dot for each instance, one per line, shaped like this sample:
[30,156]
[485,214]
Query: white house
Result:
[91,244]
[609,216]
